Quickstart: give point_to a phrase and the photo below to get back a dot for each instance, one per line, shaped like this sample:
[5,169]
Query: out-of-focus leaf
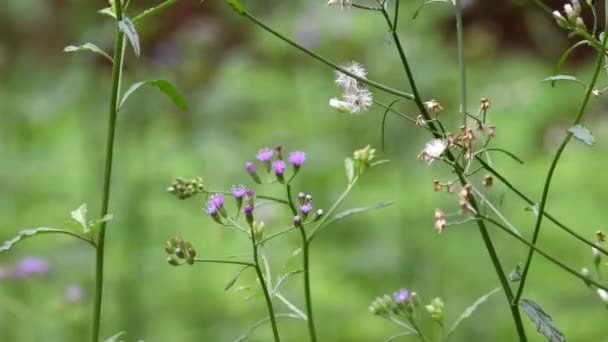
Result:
[515,275]
[93,225]
[282,278]
[165,86]
[354,211]
[28,233]
[544,323]
[469,311]
[379,162]
[349,166]
[107,11]
[88,47]
[234,279]
[396,336]
[568,78]
[115,337]
[80,216]
[260,322]
[417,12]
[583,134]
[127,27]
[564,57]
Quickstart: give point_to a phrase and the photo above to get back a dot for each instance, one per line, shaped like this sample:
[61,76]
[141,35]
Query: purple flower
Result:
[30,266]
[74,293]
[297,158]
[250,167]
[238,191]
[211,209]
[278,167]
[306,208]
[248,209]
[217,200]
[401,296]
[264,155]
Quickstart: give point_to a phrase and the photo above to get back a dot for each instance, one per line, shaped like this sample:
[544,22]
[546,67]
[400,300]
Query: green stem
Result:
[258,271]
[558,154]
[332,209]
[461,62]
[460,172]
[543,253]
[99,257]
[223,261]
[306,266]
[325,60]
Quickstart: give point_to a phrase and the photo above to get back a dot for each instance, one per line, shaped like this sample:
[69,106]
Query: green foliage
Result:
[88,47]
[128,28]
[583,134]
[164,86]
[543,321]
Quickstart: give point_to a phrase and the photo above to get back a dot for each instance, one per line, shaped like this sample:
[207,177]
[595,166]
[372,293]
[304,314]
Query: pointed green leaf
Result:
[93,225]
[88,47]
[469,311]
[349,166]
[354,211]
[127,27]
[515,275]
[282,278]
[568,78]
[544,323]
[25,234]
[583,134]
[115,337]
[564,57]
[80,216]
[236,6]
[165,86]
[107,11]
[234,279]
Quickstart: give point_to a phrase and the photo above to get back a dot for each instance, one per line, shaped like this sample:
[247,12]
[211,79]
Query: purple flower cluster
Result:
[278,166]
[27,267]
[401,296]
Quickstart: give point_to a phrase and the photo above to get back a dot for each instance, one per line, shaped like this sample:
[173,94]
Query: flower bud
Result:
[569,12]
[365,155]
[172,261]
[587,275]
[248,210]
[580,24]
[491,131]
[250,167]
[297,221]
[560,20]
[258,230]
[185,188]
[596,256]
[436,185]
[301,197]
[318,215]
[603,296]
[435,308]
[488,181]
[179,253]
[169,247]
[278,167]
[485,102]
[576,7]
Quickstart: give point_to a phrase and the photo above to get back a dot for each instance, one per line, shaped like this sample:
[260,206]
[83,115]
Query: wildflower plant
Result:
[237,209]
[79,226]
[468,149]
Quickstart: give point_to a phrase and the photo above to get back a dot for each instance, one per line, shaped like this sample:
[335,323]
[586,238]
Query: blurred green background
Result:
[247,90]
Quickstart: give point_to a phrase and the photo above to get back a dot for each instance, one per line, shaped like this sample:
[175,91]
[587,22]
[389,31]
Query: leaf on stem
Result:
[88,47]
[349,167]
[28,233]
[515,275]
[564,57]
[115,337]
[80,216]
[235,278]
[165,86]
[127,27]
[417,12]
[583,134]
[544,323]
[282,278]
[471,309]
[568,78]
[354,211]
[107,11]
[236,6]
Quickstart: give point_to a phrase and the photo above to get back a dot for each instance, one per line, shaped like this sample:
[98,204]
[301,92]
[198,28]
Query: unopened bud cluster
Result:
[178,248]
[401,303]
[571,19]
[185,188]
[435,309]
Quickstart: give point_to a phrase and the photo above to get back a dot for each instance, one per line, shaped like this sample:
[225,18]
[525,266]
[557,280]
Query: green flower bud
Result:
[258,230]
[435,308]
[172,261]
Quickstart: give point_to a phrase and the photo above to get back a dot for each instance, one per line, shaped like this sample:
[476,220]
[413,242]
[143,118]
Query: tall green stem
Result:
[460,172]
[99,256]
[461,62]
[306,266]
[258,271]
[558,154]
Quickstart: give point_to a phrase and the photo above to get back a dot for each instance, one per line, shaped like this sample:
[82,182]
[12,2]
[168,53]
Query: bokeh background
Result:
[247,90]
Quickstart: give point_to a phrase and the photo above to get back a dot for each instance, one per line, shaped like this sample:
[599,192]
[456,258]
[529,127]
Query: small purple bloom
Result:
[217,200]
[238,191]
[74,293]
[297,158]
[402,295]
[211,209]
[248,209]
[278,167]
[30,266]
[306,208]
[250,167]
[249,194]
[264,155]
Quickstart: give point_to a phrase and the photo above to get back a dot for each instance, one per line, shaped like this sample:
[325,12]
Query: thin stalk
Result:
[99,255]
[543,253]
[325,60]
[223,261]
[460,172]
[154,10]
[333,208]
[461,62]
[306,266]
[558,154]
[258,271]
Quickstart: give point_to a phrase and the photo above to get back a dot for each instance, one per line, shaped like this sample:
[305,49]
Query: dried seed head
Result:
[436,185]
[485,103]
[601,237]
[433,106]
[488,181]
[420,121]
[491,131]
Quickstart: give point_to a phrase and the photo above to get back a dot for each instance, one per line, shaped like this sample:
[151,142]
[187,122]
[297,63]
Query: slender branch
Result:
[461,61]
[325,60]
[543,253]
[99,255]
[223,261]
[277,234]
[332,209]
[154,10]
[560,150]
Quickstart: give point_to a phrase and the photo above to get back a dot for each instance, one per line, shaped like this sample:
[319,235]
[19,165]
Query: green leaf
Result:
[28,233]
[236,6]
[515,275]
[469,311]
[80,216]
[583,134]
[107,11]
[260,322]
[349,166]
[127,27]
[165,86]
[544,323]
[234,279]
[282,278]
[568,78]
[379,162]
[88,47]
[354,211]
[564,57]
[396,336]
[427,3]
[115,337]
[93,225]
